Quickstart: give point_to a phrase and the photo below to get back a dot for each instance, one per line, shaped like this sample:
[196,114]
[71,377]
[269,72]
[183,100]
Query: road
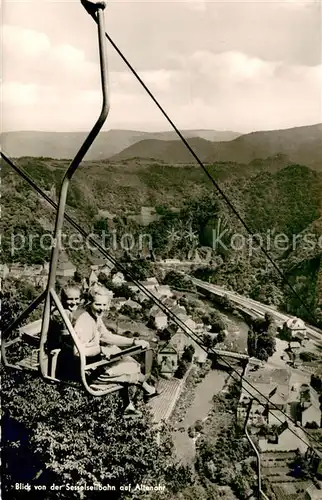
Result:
[254,306]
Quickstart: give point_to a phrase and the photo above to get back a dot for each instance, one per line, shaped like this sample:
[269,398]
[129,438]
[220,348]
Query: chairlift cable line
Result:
[192,335]
[162,306]
[208,174]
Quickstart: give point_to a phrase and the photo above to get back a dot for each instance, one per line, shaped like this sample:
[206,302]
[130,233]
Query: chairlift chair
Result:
[36,334]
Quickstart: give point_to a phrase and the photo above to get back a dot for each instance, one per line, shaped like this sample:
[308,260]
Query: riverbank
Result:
[202,384]
[194,404]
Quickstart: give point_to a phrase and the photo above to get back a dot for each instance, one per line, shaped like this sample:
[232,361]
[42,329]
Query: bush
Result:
[183,366]
[188,353]
[226,303]
[311,425]
[308,356]
[191,432]
[141,269]
[198,426]
[176,280]
[128,311]
[221,337]
[316,383]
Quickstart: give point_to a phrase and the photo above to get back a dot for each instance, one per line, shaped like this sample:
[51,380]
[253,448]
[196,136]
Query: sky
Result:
[224,65]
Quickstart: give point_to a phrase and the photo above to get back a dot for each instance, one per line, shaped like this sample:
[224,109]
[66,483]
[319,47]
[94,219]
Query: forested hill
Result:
[66,144]
[301,144]
[273,196]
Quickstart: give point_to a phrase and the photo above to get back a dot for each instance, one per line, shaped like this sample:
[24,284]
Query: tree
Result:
[316,382]
[100,225]
[140,268]
[176,280]
[261,341]
[182,368]
[106,281]
[225,303]
[130,312]
[124,291]
[240,486]
[208,341]
[188,353]
[218,326]
[15,296]
[78,277]
[68,436]
[221,336]
[269,293]
[198,425]
[119,291]
[302,467]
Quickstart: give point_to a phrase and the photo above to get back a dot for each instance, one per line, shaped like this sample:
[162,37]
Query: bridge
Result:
[253,307]
[231,354]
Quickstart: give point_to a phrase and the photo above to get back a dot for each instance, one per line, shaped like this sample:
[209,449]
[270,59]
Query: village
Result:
[288,383]
[280,398]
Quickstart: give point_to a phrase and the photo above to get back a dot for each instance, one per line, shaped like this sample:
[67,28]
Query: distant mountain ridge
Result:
[167,151]
[301,145]
[66,144]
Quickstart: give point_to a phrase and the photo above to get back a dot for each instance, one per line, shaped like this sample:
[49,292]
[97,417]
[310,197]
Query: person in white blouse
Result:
[97,339]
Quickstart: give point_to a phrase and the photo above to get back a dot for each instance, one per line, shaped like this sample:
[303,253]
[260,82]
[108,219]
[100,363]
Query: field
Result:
[290,491]
[276,470]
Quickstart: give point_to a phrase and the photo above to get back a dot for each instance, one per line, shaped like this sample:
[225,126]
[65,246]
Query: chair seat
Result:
[33,328]
[30,333]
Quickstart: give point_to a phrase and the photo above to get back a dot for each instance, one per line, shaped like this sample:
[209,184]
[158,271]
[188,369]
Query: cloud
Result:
[29,42]
[30,57]
[18,94]
[197,5]
[54,86]
[159,80]
[231,66]
[300,4]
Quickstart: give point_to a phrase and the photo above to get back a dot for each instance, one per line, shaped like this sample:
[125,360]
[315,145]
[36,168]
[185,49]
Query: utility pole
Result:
[260,493]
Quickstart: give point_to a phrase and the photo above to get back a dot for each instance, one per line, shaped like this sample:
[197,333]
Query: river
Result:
[212,384]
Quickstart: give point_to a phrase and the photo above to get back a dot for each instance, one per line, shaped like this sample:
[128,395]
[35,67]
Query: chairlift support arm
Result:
[95,9]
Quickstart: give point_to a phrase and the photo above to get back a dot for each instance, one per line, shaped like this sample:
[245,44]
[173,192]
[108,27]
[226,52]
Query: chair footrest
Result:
[106,387]
[31,362]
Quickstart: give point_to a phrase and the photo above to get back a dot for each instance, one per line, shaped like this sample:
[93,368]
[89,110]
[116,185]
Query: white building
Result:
[164,291]
[159,318]
[92,279]
[295,327]
[167,360]
[4,271]
[179,341]
[66,269]
[310,408]
[118,302]
[313,493]
[118,279]
[133,304]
